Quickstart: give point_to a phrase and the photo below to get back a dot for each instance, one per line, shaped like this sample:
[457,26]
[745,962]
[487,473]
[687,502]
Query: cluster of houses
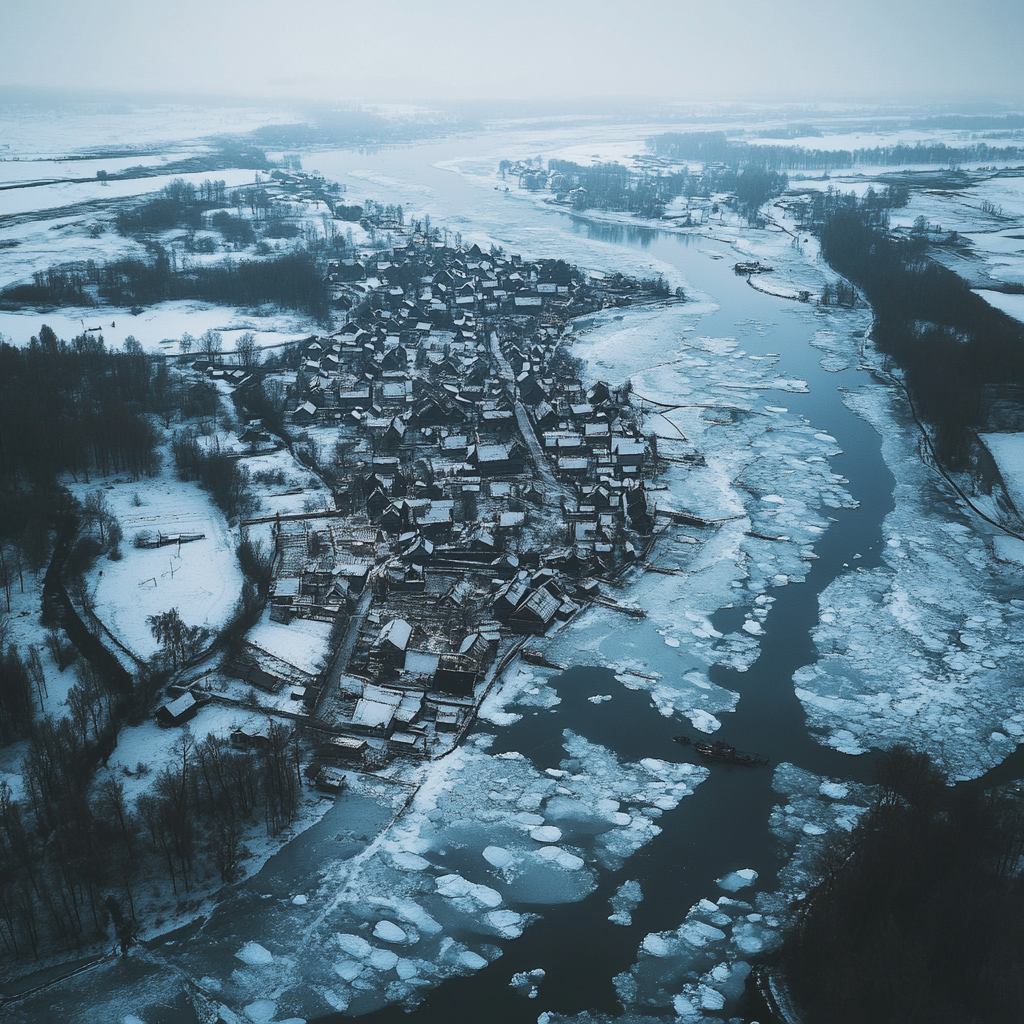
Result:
[481,489]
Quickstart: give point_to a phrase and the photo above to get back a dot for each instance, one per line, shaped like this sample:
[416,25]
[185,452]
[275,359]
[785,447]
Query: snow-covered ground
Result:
[1013,305]
[52,132]
[159,328]
[302,643]
[202,578]
[1008,451]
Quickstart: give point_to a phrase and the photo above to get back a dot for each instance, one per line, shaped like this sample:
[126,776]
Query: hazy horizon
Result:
[582,53]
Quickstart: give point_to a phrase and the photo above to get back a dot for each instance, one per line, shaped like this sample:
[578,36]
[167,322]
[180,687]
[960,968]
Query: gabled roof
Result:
[396,632]
[541,605]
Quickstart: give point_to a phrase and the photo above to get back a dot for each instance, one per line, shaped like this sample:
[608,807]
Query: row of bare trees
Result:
[69,848]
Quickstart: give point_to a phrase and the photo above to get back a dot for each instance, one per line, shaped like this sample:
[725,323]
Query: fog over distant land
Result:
[339,50]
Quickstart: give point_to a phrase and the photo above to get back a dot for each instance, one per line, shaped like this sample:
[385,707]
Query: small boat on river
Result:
[721,752]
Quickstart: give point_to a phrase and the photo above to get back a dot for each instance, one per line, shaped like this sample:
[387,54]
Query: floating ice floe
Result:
[525,983]
[453,886]
[498,856]
[702,721]
[625,900]
[546,834]
[736,880]
[389,932]
[255,955]
[261,1011]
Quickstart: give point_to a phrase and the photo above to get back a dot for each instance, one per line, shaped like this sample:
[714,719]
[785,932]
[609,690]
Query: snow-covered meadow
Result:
[200,578]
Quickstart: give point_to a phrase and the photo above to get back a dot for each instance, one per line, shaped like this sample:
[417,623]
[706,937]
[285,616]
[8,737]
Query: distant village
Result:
[482,495]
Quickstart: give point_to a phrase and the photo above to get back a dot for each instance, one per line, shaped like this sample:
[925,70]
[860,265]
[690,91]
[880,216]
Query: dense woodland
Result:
[953,346]
[78,408]
[715,147]
[918,916]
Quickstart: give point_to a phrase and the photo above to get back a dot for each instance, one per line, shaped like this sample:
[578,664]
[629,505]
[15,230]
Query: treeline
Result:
[715,147]
[380,216]
[612,186]
[69,855]
[293,280]
[229,154]
[952,345]
[182,205]
[918,916]
[76,407]
[178,204]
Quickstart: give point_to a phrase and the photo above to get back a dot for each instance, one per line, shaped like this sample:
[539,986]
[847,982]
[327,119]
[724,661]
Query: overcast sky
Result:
[341,51]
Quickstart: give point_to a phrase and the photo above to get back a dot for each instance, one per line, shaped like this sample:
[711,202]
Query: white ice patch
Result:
[406,861]
[507,923]
[834,790]
[625,900]
[255,955]
[525,983]
[702,721]
[454,886]
[563,858]
[354,945]
[261,1011]
[498,857]
[903,646]
[546,834]
[389,932]
[736,880]
[382,959]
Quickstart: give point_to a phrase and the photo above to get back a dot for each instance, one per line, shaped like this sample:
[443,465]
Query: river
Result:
[724,825]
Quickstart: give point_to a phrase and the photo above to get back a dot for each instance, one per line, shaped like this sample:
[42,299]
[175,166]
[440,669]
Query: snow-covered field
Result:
[302,643]
[159,328]
[1013,305]
[33,133]
[201,579]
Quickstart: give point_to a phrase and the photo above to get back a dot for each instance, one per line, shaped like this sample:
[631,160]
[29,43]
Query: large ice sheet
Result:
[926,648]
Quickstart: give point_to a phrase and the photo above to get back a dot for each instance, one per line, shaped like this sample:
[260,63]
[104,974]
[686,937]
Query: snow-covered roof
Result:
[396,632]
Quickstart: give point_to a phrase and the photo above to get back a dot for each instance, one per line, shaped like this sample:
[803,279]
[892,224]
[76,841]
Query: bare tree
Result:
[212,343]
[247,350]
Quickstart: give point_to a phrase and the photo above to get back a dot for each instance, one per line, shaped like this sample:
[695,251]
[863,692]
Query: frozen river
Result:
[456,898]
